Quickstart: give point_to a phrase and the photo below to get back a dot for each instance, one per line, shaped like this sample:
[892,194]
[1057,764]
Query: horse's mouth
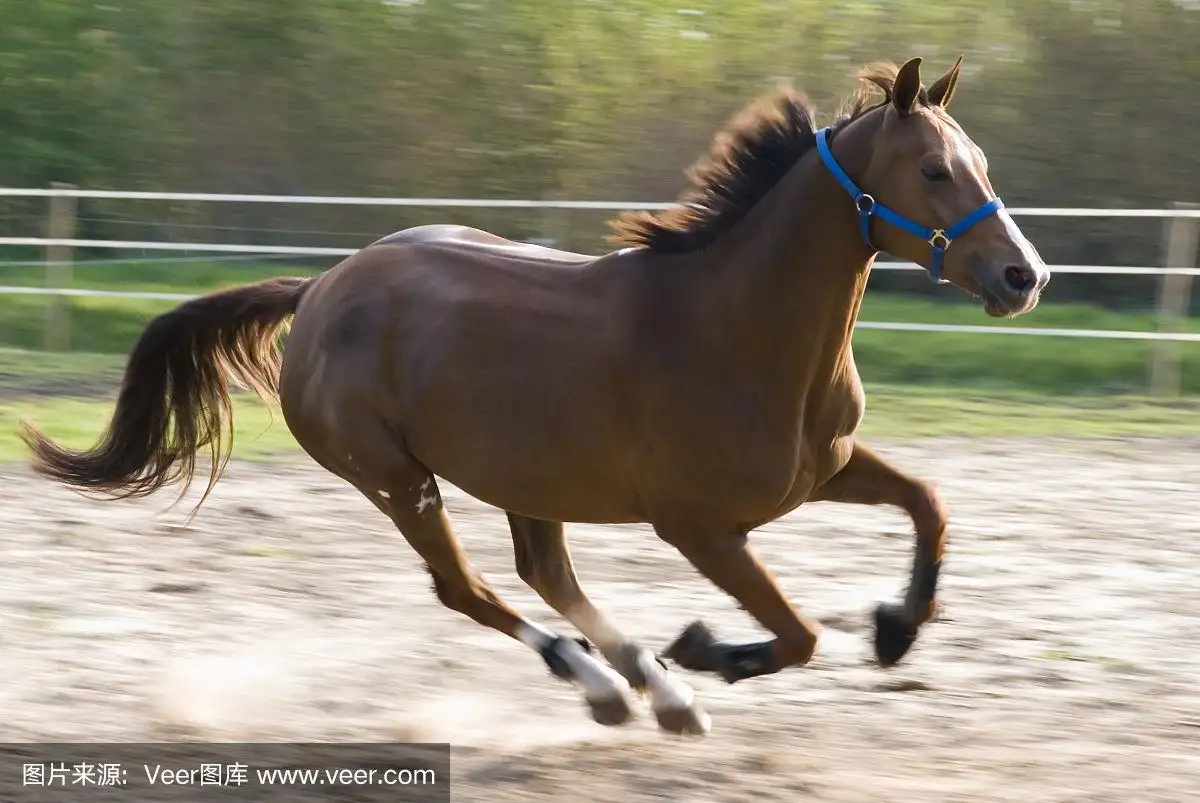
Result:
[993,304]
[994,307]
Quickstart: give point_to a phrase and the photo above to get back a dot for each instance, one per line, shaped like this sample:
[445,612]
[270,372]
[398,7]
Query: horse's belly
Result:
[544,489]
[816,467]
[545,455]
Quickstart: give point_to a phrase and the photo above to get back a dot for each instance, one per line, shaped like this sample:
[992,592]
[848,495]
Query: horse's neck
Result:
[790,282]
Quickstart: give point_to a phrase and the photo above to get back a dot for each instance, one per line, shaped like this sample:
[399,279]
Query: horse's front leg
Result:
[723,556]
[867,480]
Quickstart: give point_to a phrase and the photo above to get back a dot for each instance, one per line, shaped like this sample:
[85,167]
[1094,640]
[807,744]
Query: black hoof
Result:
[695,649]
[894,636]
[698,650]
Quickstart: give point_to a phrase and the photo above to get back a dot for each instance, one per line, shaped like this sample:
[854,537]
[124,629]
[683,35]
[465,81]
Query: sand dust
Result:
[1063,669]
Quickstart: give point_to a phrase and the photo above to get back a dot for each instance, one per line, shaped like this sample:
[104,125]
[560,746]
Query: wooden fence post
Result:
[1174,301]
[59,226]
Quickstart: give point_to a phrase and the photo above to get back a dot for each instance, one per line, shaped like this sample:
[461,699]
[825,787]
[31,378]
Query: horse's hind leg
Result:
[867,480]
[544,563]
[410,497]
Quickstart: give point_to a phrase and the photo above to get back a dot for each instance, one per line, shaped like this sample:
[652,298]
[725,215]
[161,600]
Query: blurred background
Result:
[1065,669]
[1078,103]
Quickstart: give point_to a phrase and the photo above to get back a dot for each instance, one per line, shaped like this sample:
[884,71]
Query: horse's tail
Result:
[174,398]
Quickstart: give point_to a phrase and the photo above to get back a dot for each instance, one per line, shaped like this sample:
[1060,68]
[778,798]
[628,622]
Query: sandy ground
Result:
[1063,668]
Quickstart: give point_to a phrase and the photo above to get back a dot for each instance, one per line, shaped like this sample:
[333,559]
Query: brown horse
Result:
[700,380]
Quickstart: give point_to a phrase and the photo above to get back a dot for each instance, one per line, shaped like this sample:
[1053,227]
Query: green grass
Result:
[906,412]
[32,374]
[111,325]
[260,432]
[45,390]
[71,398]
[985,362]
[1059,365]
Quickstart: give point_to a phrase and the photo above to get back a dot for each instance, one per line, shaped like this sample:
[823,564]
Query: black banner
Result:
[232,772]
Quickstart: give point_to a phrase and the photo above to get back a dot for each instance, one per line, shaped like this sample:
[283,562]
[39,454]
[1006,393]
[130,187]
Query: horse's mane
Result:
[747,159]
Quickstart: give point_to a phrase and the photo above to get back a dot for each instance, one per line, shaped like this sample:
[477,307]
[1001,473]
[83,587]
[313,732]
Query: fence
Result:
[1181,230]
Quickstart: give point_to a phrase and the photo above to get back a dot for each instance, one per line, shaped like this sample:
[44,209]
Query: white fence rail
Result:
[486,203]
[1182,224]
[300,250]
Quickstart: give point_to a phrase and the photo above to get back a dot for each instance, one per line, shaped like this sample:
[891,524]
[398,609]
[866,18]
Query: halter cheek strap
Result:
[939,239]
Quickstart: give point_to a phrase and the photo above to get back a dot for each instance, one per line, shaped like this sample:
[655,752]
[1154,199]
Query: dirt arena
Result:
[1063,668]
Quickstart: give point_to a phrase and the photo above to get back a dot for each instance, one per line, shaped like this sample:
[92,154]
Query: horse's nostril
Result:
[1020,278]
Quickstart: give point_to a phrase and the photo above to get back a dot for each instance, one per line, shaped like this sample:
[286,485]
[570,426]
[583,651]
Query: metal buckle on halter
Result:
[864,204]
[939,235]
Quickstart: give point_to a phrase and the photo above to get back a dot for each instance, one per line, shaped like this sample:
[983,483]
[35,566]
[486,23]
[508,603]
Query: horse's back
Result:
[481,243]
[470,348]
[429,299]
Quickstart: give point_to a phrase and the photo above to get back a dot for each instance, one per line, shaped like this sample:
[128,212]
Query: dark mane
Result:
[747,160]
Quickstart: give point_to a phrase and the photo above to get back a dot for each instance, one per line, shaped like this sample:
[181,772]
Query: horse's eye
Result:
[935,173]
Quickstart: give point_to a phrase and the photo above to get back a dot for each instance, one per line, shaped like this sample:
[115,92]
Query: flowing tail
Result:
[174,398]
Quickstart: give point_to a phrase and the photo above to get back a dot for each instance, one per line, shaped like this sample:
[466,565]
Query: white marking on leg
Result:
[385,496]
[533,635]
[596,628]
[667,692]
[599,682]
[429,496]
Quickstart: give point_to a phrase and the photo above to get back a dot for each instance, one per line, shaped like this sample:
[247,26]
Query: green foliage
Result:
[986,362]
[1077,102]
[77,418]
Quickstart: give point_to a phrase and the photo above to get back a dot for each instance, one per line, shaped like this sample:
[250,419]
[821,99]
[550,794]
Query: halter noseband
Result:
[939,239]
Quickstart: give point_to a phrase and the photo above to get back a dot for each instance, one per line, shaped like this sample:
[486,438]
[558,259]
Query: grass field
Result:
[70,398]
[1053,366]
[920,384]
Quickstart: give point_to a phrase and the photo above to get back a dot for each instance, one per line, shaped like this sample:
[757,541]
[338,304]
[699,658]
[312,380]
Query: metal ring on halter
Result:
[939,235]
[864,203]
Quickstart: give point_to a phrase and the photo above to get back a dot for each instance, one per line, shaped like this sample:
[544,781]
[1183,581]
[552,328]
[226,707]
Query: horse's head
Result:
[926,184]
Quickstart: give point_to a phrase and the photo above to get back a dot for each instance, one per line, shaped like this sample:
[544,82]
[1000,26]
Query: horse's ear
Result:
[907,86]
[943,88]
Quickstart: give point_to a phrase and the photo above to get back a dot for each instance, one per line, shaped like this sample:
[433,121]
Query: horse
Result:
[698,379]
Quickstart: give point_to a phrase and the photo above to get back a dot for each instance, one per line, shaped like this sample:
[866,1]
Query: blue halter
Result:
[939,239]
